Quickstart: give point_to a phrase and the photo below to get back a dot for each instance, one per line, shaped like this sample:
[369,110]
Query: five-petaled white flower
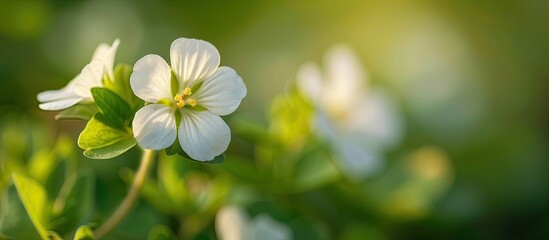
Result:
[360,124]
[203,92]
[78,89]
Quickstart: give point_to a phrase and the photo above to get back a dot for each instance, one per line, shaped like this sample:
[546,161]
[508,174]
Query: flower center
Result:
[182,99]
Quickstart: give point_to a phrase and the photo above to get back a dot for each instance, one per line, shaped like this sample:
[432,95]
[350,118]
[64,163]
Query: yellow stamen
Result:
[187,91]
[182,99]
[191,102]
[178,97]
[180,103]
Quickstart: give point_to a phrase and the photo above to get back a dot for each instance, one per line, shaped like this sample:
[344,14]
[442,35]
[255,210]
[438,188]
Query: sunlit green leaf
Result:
[84,233]
[34,199]
[101,141]
[161,232]
[54,236]
[110,151]
[114,109]
[15,222]
[80,111]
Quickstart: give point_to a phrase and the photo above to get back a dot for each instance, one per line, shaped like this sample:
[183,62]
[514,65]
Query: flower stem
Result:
[127,203]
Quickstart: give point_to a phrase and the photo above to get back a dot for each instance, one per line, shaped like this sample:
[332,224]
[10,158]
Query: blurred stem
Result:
[127,203]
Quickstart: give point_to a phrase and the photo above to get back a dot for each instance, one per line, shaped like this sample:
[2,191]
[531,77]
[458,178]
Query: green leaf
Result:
[161,232]
[113,108]
[15,222]
[101,141]
[110,151]
[121,85]
[54,236]
[34,199]
[80,111]
[217,160]
[84,233]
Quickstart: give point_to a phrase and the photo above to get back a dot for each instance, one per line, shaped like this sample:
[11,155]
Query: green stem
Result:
[127,203]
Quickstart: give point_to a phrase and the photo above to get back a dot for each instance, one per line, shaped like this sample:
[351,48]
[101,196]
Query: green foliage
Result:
[15,222]
[160,232]
[34,199]
[121,86]
[114,110]
[75,202]
[103,141]
[84,233]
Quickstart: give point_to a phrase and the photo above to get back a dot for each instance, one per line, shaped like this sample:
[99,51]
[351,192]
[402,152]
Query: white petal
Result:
[91,76]
[100,51]
[230,223]
[203,135]
[222,92]
[376,118]
[309,81]
[106,54]
[345,77]
[65,92]
[150,79]
[59,104]
[154,127]
[193,60]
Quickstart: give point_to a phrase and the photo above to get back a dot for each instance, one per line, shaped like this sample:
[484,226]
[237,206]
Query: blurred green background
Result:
[470,78]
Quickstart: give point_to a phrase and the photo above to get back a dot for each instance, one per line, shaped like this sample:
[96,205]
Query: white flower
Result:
[359,124]
[232,223]
[78,89]
[204,92]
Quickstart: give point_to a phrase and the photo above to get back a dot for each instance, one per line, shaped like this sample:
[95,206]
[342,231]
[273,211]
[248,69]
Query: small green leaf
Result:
[34,199]
[110,151]
[80,111]
[84,233]
[113,108]
[101,141]
[217,160]
[161,232]
[15,222]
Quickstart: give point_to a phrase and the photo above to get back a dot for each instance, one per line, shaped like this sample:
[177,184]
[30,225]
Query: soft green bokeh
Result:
[470,80]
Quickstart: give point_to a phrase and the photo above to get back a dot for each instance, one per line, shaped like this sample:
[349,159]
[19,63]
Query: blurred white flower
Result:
[203,92]
[359,122]
[78,89]
[232,223]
